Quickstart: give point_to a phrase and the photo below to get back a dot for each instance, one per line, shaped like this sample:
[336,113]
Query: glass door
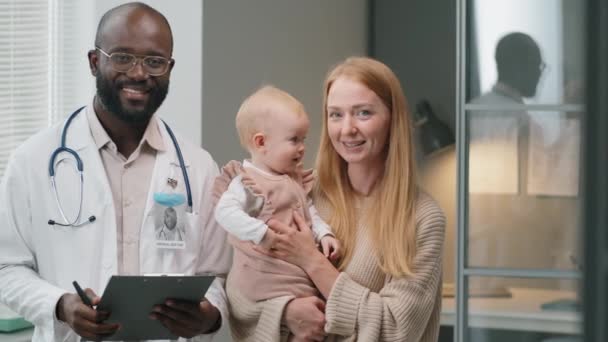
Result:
[520,111]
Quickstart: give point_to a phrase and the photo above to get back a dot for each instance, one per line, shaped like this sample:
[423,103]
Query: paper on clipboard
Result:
[130,299]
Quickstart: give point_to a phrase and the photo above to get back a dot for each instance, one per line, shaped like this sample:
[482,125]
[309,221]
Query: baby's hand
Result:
[269,240]
[331,247]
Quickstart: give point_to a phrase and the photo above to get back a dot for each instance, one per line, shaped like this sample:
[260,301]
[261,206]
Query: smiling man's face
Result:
[134,95]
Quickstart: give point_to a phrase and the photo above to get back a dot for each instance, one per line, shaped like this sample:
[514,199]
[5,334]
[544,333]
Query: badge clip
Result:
[172,182]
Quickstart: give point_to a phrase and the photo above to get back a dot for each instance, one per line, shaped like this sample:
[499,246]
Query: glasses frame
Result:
[136,59]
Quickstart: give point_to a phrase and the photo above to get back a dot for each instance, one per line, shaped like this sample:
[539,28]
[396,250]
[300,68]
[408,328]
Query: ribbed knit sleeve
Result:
[405,309]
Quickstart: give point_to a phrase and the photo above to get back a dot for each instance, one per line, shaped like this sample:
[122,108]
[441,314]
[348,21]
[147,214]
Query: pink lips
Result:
[352,144]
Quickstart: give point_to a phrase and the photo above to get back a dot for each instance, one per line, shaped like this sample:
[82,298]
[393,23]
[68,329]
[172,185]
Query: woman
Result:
[387,286]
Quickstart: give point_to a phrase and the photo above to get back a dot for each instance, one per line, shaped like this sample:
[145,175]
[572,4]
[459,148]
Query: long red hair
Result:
[391,215]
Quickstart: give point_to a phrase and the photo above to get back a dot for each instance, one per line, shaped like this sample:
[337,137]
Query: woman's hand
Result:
[305,318]
[269,240]
[295,245]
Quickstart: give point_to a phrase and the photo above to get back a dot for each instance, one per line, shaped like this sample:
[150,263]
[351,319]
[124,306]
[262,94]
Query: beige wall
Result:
[438,178]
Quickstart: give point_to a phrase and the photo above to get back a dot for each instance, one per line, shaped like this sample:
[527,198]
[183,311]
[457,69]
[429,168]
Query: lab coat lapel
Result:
[160,173]
[166,166]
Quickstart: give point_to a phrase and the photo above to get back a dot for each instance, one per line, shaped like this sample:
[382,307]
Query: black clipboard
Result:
[130,300]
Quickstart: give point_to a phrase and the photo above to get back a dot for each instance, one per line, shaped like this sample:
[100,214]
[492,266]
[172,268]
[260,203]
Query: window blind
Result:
[24,49]
[71,37]
[43,69]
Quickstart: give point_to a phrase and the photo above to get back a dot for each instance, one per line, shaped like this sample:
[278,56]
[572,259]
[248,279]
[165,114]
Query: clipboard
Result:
[130,300]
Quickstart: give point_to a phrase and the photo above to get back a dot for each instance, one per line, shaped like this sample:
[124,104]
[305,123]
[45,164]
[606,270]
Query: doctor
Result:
[53,234]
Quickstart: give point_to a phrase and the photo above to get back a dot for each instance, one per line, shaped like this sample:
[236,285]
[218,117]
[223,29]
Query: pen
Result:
[83,296]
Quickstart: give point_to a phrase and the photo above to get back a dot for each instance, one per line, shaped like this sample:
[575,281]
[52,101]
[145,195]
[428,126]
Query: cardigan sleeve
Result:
[401,310]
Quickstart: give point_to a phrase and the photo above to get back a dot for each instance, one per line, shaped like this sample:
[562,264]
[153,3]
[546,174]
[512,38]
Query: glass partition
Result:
[523,189]
[520,108]
[526,51]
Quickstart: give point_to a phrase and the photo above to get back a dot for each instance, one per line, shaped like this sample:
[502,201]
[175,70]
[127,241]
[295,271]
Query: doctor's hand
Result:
[187,319]
[84,320]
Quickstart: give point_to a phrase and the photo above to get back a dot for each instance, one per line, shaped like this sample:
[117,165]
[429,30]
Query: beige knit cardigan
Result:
[365,304]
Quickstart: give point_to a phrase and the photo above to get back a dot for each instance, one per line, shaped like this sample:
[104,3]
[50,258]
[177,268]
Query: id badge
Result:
[169,215]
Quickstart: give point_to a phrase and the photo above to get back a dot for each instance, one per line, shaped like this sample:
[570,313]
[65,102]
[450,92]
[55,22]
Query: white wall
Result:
[183,106]
[289,43]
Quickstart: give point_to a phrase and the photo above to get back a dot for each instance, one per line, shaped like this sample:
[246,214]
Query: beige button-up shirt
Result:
[129,180]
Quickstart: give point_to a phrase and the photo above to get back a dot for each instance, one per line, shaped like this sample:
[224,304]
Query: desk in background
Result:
[9,321]
[521,312]
[17,336]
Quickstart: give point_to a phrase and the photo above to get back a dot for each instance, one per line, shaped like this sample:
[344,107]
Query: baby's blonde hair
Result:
[256,111]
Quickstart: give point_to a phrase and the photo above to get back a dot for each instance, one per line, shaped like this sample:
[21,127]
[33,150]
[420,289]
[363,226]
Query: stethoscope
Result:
[79,166]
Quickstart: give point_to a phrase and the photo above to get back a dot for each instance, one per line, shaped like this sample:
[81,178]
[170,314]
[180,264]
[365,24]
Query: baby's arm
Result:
[231,215]
[319,227]
[322,232]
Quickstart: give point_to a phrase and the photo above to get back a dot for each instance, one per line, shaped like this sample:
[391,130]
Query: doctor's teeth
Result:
[133,90]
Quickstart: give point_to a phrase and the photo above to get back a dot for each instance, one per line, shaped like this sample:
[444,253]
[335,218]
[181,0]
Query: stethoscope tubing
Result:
[80,166]
[182,165]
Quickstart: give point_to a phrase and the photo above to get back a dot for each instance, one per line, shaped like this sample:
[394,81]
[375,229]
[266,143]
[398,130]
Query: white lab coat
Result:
[38,262]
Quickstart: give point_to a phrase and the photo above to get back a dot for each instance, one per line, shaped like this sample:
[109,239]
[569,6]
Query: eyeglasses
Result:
[123,62]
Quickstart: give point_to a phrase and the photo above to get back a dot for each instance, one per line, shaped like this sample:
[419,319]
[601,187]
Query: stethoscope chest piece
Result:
[80,169]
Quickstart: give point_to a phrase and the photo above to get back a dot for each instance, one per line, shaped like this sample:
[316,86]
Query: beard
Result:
[108,93]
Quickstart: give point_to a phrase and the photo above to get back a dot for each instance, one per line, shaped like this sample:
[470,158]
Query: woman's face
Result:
[358,122]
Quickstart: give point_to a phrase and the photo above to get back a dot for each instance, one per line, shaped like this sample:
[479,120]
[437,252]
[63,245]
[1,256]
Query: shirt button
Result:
[127,203]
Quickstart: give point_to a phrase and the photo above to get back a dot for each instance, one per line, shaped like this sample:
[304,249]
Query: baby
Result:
[272,126]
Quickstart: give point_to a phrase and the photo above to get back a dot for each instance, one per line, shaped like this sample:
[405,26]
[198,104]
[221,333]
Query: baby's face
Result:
[284,149]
